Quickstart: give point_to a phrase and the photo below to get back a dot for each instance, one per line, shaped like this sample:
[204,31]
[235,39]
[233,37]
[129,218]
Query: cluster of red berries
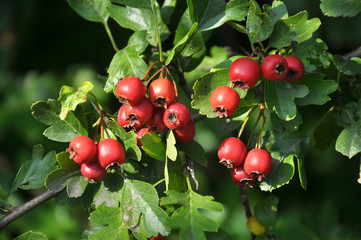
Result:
[245,167]
[94,158]
[157,111]
[245,73]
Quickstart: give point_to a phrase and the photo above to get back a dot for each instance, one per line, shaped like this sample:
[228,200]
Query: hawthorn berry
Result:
[274,67]
[140,134]
[186,133]
[295,68]
[232,152]
[258,162]
[122,120]
[244,73]
[130,90]
[110,153]
[82,149]
[92,171]
[240,177]
[158,238]
[161,92]
[224,101]
[176,115]
[156,123]
[139,113]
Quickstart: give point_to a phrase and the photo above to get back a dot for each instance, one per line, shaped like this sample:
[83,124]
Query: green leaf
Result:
[187,217]
[204,87]
[32,173]
[111,232]
[91,10]
[349,67]
[258,25]
[69,97]
[296,28]
[265,211]
[281,125]
[126,62]
[280,95]
[153,146]
[59,130]
[30,235]
[349,141]
[134,3]
[171,150]
[76,186]
[109,191]
[167,10]
[195,151]
[211,14]
[173,174]
[106,215]
[64,161]
[3,194]
[337,8]
[137,41]
[58,179]
[139,19]
[277,11]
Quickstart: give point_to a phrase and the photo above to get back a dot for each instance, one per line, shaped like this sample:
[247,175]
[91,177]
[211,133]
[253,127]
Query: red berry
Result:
[130,90]
[140,134]
[156,123]
[295,68]
[82,149]
[258,162]
[110,153]
[240,177]
[158,238]
[122,120]
[244,73]
[92,171]
[176,115]
[186,133]
[232,152]
[139,113]
[224,101]
[274,67]
[161,92]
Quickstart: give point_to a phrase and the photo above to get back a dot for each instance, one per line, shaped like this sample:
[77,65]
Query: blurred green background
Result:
[45,44]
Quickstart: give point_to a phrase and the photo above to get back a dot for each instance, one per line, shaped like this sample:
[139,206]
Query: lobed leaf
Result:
[195,151]
[277,11]
[258,25]
[349,141]
[91,10]
[349,67]
[153,146]
[76,186]
[338,8]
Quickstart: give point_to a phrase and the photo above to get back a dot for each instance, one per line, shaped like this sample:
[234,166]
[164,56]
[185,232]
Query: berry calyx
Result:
[244,73]
[156,123]
[161,92]
[176,115]
[224,101]
[140,134]
[122,120]
[139,113]
[232,152]
[258,162]
[82,149]
[92,171]
[295,68]
[241,178]
[274,67]
[110,153]
[186,133]
[130,90]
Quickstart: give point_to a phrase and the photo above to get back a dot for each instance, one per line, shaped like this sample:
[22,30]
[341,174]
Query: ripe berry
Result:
[176,115]
[139,113]
[158,238]
[274,67]
[110,153]
[224,101]
[161,92]
[295,68]
[232,152]
[92,171]
[140,134]
[130,90]
[122,120]
[156,123]
[82,149]
[258,162]
[244,73]
[186,133]
[240,177]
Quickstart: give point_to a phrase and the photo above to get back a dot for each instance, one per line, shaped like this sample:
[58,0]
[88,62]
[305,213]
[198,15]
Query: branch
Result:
[247,208]
[26,207]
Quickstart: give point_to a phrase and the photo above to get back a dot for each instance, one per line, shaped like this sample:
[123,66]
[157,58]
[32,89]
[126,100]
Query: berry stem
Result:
[254,127]
[159,182]
[151,67]
[174,83]
[246,206]
[110,36]
[246,120]
[153,76]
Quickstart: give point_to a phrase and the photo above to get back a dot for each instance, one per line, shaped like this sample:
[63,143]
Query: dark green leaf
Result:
[64,161]
[296,28]
[204,87]
[135,3]
[277,11]
[258,25]
[69,97]
[338,8]
[265,211]
[76,186]
[109,191]
[349,67]
[195,151]
[319,89]
[280,95]
[91,10]
[187,217]
[173,174]
[323,137]
[30,235]
[32,173]
[171,150]
[281,125]
[349,141]
[58,179]
[167,10]
[3,194]
[153,146]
